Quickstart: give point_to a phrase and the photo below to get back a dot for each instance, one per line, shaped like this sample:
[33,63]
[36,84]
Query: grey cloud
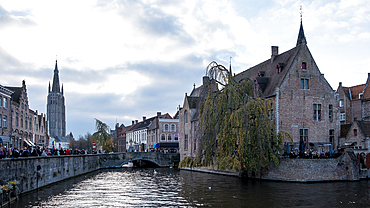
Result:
[20,18]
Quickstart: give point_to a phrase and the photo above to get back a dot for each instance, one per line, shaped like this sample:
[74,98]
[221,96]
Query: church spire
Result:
[56,86]
[301,37]
[230,67]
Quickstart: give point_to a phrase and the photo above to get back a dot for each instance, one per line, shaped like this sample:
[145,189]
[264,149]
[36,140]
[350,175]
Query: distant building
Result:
[164,130]
[120,134]
[5,116]
[56,107]
[40,130]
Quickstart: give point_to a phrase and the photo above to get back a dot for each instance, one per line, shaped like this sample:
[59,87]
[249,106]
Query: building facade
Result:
[22,118]
[5,116]
[56,107]
[40,130]
[164,130]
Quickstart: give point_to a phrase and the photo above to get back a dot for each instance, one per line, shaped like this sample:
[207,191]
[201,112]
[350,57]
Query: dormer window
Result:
[304,66]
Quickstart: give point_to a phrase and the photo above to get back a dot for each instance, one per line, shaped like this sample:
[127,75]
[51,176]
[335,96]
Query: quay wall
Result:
[343,168]
[36,172]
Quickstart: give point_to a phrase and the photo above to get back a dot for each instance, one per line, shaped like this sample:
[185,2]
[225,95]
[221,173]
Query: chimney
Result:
[340,84]
[133,122]
[205,80]
[144,118]
[136,121]
[274,52]
[158,114]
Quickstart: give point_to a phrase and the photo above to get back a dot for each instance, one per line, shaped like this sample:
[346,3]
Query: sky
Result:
[121,60]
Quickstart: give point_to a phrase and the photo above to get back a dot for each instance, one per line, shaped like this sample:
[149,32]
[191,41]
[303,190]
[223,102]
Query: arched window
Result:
[166,127]
[163,137]
[173,127]
[176,137]
[169,137]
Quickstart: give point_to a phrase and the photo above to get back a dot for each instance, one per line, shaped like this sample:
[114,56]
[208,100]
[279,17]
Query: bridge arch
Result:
[142,162]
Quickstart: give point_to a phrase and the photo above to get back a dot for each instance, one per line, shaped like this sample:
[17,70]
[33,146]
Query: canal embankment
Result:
[343,168]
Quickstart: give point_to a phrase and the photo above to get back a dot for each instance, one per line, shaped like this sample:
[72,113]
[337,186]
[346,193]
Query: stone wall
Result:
[344,168]
[35,172]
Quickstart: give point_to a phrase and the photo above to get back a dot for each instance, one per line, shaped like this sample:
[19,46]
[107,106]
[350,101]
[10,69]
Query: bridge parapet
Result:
[159,158]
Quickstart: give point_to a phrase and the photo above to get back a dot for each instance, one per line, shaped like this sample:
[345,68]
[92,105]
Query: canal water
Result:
[165,187]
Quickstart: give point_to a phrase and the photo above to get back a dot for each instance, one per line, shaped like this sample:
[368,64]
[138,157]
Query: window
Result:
[331,135]
[271,114]
[303,133]
[304,84]
[186,142]
[169,137]
[0,121]
[16,118]
[163,137]
[21,121]
[176,137]
[30,125]
[173,127]
[330,112]
[340,103]
[25,122]
[304,65]
[355,132]
[342,116]
[4,122]
[317,112]
[186,116]
[166,127]
[195,144]
[1,101]
[5,103]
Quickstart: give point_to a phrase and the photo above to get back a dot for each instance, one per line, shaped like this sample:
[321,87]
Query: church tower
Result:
[56,108]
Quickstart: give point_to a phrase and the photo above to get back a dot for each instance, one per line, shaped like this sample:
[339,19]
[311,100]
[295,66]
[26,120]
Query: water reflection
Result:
[162,187]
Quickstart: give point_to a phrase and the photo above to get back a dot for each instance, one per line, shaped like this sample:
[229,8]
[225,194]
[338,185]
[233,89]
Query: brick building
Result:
[303,102]
[40,130]
[5,116]
[305,105]
[120,134]
[22,117]
[164,130]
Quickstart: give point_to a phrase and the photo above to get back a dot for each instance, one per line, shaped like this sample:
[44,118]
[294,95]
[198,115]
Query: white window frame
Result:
[342,116]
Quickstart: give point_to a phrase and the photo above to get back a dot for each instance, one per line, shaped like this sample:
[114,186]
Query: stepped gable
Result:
[284,61]
[17,93]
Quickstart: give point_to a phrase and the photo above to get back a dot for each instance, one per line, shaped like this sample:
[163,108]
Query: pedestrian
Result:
[16,152]
[68,152]
[34,153]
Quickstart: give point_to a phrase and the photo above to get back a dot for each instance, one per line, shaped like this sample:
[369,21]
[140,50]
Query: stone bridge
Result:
[152,159]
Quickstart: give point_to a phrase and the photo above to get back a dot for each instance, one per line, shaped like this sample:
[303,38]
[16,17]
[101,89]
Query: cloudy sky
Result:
[121,60]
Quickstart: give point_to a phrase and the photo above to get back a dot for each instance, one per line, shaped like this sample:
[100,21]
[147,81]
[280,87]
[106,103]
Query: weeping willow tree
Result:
[237,132]
[102,136]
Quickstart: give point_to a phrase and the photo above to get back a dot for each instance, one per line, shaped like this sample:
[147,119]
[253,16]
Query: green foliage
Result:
[237,132]
[186,162]
[102,136]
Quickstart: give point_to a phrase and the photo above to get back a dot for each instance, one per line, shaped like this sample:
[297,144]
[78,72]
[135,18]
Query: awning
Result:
[169,145]
[156,145]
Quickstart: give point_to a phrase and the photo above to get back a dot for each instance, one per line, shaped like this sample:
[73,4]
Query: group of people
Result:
[37,151]
[310,153]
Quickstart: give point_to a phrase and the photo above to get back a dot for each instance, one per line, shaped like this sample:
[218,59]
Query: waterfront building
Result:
[40,130]
[21,118]
[356,136]
[164,130]
[5,116]
[189,134]
[56,107]
[303,102]
[136,136]
[120,136]
[354,102]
